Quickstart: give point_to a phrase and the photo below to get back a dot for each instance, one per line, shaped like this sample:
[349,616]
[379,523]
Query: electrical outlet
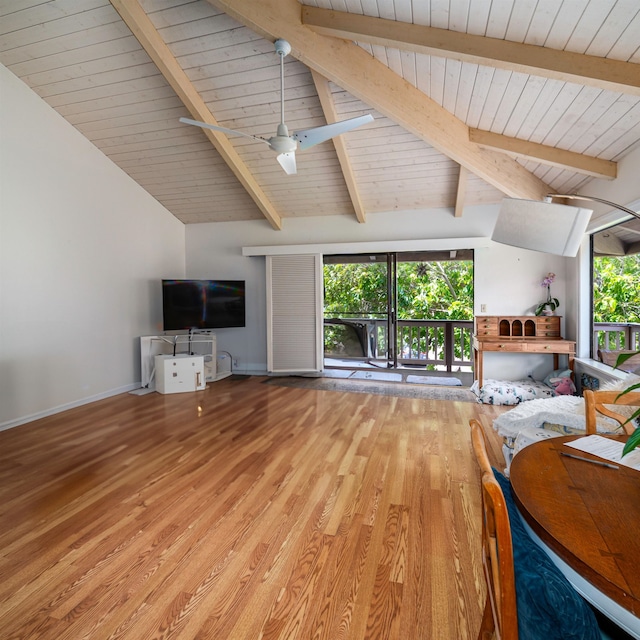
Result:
[483,308]
[235,363]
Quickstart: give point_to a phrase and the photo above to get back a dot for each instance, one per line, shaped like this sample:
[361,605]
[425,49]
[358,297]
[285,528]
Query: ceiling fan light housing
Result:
[282,142]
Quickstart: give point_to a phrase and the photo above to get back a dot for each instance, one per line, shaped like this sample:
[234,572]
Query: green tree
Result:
[435,290]
[355,290]
[616,289]
[616,293]
[426,291]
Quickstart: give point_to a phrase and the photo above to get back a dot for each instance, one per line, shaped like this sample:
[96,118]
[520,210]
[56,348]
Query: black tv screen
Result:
[202,304]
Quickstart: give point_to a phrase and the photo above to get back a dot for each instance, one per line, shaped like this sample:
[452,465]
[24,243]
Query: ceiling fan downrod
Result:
[283,49]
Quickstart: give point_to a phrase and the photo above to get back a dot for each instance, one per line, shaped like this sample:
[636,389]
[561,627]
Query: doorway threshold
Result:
[353,370]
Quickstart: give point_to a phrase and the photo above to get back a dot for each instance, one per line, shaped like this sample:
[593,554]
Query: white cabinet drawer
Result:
[180,373]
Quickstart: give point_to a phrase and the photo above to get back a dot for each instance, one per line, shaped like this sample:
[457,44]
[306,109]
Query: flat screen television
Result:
[202,304]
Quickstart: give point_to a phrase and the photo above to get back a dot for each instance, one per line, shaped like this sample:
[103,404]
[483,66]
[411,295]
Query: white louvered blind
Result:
[294,314]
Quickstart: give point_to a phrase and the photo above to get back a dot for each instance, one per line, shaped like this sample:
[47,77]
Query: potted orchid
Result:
[548,307]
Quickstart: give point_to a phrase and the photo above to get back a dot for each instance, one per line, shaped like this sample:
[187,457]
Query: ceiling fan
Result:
[282,143]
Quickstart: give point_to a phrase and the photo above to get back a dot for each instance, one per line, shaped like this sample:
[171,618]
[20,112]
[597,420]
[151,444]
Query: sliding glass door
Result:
[393,310]
[359,310]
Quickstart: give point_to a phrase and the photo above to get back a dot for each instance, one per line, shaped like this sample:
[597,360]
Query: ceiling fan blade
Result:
[310,137]
[231,132]
[287,162]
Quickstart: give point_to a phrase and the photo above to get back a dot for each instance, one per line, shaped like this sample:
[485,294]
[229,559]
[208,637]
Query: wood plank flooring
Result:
[246,511]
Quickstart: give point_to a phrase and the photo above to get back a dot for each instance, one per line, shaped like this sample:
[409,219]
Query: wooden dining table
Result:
[587,517]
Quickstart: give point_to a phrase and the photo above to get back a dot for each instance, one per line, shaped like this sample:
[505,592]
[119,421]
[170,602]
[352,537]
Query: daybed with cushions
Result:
[512,392]
[543,418]
[548,418]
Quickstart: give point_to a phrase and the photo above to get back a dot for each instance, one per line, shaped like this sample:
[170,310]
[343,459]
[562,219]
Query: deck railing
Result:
[613,336]
[447,344]
[444,345]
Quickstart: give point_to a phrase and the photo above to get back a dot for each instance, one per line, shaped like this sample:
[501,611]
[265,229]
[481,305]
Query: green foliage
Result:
[632,443]
[616,298]
[426,290]
[552,303]
[355,290]
[616,289]
[634,439]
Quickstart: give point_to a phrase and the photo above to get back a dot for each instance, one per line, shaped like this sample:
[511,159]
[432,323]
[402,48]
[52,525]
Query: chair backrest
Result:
[480,446]
[500,613]
[602,401]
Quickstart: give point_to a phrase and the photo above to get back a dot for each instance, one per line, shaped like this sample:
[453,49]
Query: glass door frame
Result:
[388,319]
[392,310]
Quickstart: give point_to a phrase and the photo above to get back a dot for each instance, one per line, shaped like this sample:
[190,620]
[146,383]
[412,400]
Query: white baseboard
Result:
[10,424]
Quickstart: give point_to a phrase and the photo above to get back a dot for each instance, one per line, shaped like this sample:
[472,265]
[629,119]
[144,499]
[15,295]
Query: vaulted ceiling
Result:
[472,99]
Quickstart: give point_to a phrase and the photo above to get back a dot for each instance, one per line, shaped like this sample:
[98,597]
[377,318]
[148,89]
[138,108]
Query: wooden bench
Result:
[632,365]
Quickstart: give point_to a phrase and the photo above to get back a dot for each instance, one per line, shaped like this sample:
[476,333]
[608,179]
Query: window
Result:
[615,254]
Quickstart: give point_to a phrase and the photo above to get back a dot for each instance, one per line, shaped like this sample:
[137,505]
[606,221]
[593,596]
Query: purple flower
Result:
[548,280]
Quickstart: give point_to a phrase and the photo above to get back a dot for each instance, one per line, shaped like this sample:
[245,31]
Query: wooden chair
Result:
[500,611]
[595,402]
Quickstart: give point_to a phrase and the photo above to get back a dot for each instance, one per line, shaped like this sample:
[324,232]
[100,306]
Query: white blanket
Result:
[564,410]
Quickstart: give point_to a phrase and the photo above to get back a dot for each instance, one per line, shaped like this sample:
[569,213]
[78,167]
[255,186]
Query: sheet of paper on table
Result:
[608,449]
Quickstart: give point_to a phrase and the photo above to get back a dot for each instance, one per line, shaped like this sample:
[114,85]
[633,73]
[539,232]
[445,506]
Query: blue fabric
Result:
[549,608]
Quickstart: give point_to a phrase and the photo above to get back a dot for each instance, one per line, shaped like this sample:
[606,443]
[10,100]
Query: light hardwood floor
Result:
[246,511]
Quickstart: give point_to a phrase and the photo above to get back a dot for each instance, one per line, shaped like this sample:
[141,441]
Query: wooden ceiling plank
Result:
[350,67]
[331,115]
[545,154]
[121,112]
[151,41]
[604,73]
[16,36]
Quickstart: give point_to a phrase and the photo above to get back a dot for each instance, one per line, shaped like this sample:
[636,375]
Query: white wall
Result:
[624,190]
[507,279]
[214,251]
[82,252]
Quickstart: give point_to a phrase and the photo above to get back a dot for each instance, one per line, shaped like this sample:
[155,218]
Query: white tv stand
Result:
[195,344]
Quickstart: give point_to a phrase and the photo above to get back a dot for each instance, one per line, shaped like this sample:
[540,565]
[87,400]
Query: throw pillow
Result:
[558,373]
[563,386]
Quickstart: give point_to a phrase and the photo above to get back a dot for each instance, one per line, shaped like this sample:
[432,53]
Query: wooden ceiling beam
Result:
[151,41]
[461,192]
[603,73]
[546,155]
[357,72]
[330,114]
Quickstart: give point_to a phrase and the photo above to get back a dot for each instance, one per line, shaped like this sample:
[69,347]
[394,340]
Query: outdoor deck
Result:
[434,348]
